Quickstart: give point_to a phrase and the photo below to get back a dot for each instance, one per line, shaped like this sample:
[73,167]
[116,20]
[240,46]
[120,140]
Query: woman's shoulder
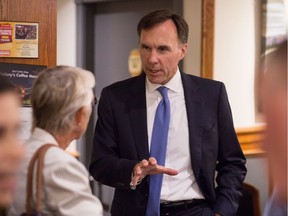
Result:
[58,159]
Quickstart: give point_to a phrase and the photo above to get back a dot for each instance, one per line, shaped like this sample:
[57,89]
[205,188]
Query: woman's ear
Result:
[80,115]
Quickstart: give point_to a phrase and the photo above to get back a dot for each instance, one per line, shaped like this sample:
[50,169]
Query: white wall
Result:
[236,27]
[66,32]
[236,58]
[234,55]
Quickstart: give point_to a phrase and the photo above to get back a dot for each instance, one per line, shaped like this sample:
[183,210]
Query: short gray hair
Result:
[57,94]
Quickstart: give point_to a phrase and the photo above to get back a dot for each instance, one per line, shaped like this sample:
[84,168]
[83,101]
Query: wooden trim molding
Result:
[250,139]
[207,43]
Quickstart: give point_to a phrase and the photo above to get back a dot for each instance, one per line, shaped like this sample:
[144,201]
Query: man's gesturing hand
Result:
[149,167]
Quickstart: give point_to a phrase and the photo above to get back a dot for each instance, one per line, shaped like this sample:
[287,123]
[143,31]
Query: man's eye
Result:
[2,131]
[163,49]
[145,47]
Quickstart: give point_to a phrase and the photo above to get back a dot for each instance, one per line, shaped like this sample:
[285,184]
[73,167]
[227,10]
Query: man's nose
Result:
[153,57]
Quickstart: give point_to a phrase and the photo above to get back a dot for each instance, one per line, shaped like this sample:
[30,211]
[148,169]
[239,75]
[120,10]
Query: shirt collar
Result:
[174,84]
[43,136]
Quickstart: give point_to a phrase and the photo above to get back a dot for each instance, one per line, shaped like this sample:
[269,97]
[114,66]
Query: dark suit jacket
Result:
[121,141]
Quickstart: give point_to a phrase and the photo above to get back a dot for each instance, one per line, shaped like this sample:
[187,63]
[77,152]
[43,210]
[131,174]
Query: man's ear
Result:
[183,48]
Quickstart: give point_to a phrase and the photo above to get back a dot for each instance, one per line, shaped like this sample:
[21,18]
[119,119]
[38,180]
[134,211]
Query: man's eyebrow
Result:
[144,45]
[164,47]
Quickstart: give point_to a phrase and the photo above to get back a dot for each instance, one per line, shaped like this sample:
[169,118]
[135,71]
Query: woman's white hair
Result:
[57,94]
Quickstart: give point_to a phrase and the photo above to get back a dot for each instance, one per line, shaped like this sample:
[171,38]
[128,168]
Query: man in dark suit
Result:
[165,110]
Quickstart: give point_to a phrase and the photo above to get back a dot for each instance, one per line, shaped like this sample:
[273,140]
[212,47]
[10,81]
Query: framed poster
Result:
[19,39]
[22,76]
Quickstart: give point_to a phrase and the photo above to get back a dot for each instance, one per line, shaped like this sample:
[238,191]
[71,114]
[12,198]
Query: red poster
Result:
[5,33]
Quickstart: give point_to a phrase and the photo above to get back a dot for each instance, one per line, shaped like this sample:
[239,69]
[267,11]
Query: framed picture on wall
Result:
[19,39]
[23,76]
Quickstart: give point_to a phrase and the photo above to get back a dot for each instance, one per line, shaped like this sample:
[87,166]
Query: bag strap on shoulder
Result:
[38,156]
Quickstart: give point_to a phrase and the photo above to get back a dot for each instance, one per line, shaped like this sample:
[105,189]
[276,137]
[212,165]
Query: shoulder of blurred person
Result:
[274,100]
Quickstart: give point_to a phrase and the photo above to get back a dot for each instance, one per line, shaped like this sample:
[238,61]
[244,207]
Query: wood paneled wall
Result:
[207,43]
[43,12]
[251,140]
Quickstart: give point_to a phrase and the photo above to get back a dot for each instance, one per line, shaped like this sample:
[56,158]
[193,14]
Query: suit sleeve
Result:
[106,165]
[67,190]
[231,161]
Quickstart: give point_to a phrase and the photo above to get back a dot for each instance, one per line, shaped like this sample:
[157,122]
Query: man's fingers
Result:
[158,169]
[144,163]
[164,170]
[149,167]
[136,175]
[139,172]
[152,161]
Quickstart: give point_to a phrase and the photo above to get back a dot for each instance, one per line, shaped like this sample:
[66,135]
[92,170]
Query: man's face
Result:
[10,149]
[274,99]
[161,51]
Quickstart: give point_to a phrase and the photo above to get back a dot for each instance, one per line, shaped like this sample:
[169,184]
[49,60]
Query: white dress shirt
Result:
[66,188]
[182,186]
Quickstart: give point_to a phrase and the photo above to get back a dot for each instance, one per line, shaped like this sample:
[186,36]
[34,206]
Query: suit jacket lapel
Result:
[138,117]
[194,104]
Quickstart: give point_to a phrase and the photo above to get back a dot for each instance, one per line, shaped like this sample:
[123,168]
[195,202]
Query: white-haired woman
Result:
[61,99]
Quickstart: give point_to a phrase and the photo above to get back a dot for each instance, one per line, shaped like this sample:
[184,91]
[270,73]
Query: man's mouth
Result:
[153,71]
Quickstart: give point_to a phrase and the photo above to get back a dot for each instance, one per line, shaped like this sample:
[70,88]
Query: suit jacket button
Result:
[120,184]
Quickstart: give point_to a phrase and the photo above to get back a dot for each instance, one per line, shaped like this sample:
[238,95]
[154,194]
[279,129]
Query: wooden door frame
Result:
[207,39]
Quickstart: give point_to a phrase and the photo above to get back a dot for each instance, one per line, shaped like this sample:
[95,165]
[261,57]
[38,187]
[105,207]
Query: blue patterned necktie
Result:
[158,151]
